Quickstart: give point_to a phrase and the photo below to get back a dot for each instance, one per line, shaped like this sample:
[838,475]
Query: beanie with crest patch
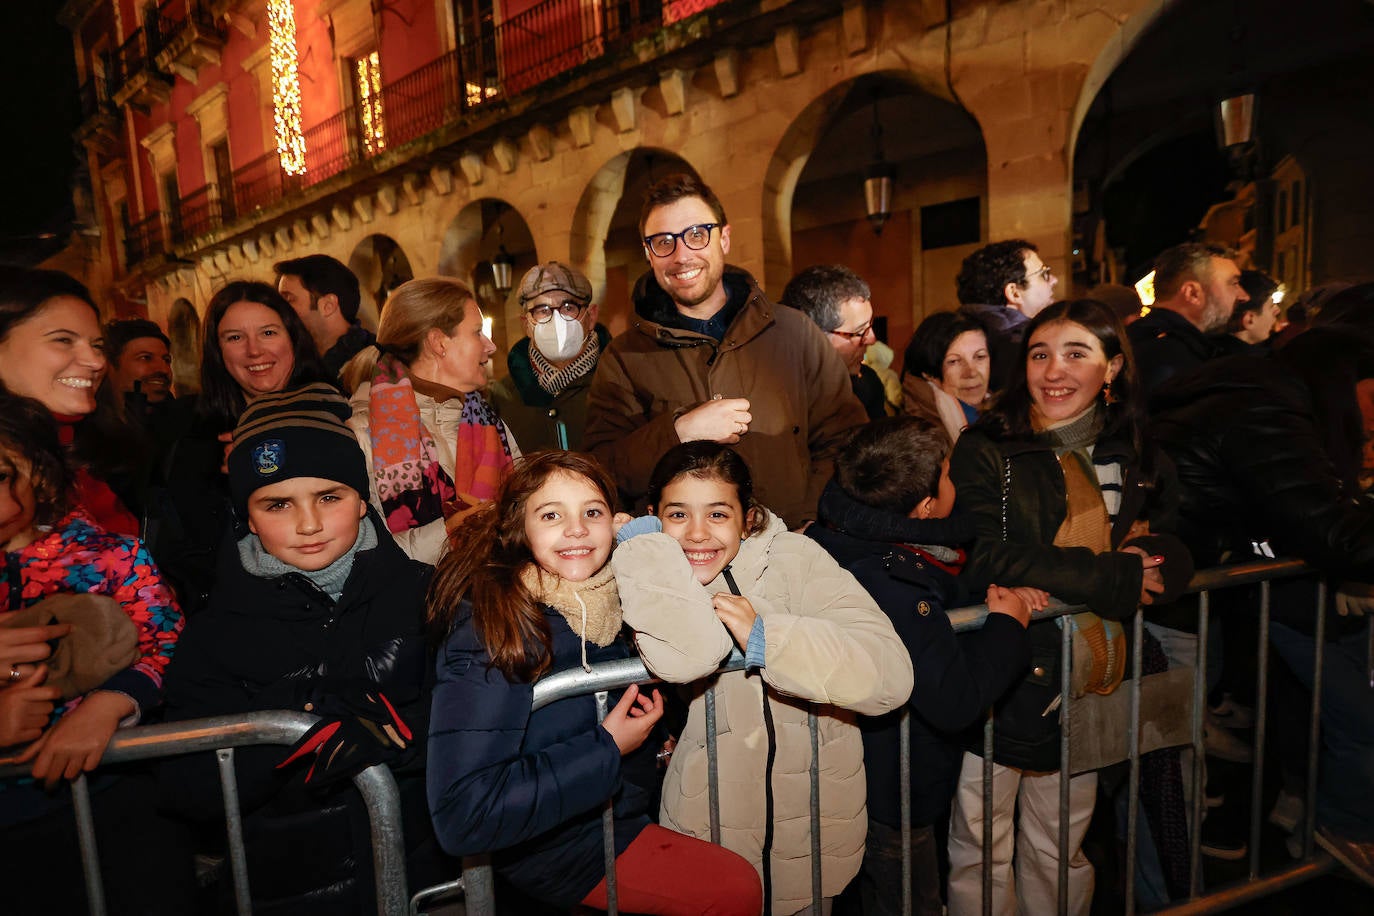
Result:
[301,432]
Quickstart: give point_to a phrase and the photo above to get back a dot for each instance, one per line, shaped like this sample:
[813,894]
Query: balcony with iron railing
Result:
[556,38]
[99,125]
[144,239]
[188,36]
[135,78]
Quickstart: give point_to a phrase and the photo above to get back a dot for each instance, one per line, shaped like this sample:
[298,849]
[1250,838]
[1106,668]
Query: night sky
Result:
[40,111]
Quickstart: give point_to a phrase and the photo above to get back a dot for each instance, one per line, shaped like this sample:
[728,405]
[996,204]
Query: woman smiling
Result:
[52,349]
[253,343]
[1062,487]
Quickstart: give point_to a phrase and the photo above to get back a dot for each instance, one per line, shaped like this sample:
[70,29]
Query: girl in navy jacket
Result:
[524,590]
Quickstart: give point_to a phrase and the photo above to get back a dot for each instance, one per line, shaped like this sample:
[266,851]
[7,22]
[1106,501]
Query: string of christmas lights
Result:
[286,85]
[369,79]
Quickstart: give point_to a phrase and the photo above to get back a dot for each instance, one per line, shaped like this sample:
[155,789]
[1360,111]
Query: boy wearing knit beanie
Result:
[315,610]
[299,480]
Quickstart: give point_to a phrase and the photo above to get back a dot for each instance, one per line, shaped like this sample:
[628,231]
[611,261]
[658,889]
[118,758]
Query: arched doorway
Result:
[183,329]
[484,231]
[380,266]
[814,205]
[605,231]
[1149,167]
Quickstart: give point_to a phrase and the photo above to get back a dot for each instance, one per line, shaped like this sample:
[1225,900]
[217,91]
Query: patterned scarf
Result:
[413,486]
[554,380]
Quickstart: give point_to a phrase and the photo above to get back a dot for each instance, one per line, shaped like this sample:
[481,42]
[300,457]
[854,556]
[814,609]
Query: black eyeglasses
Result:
[569,310]
[695,237]
[1043,273]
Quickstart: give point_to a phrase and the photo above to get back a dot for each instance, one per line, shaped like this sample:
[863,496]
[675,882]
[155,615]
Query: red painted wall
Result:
[408,37]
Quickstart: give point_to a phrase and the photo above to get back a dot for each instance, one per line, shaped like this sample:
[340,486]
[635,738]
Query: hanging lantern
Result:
[878,179]
[878,194]
[1236,120]
[501,268]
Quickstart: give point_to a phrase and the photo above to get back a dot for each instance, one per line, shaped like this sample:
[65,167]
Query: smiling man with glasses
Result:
[707,356]
[544,398]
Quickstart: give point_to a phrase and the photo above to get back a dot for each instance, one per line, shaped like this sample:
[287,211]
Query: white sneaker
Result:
[1287,812]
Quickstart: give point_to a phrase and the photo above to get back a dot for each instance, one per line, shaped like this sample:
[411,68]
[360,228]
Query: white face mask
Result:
[559,339]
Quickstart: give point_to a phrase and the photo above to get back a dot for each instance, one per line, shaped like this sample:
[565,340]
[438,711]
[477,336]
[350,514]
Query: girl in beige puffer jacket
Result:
[725,572]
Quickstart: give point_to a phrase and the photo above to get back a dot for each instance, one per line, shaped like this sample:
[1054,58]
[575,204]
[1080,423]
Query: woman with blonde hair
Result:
[435,447]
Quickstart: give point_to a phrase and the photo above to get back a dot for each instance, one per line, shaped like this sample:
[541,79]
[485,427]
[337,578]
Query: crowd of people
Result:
[362,527]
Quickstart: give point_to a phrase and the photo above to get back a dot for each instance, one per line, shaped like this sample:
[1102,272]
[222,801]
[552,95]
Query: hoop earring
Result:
[1107,397]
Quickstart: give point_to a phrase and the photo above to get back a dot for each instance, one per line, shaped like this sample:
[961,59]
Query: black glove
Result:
[368,733]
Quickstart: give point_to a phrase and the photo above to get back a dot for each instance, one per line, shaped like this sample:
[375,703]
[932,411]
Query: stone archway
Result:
[183,329]
[605,228]
[813,206]
[380,265]
[472,241]
[1148,163]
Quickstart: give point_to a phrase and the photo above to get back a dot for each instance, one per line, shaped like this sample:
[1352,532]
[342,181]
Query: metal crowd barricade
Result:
[222,734]
[477,883]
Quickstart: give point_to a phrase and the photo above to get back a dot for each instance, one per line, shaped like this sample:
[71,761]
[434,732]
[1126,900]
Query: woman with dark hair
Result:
[1061,486]
[52,350]
[252,343]
[945,371]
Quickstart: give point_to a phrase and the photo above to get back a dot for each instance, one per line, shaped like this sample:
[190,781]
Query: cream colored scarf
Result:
[591,607]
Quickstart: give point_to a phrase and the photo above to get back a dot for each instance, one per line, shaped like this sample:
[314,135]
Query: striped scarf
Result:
[412,485]
[554,380]
[1093,499]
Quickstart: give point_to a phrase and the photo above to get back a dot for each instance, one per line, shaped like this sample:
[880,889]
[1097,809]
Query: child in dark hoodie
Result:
[885,517]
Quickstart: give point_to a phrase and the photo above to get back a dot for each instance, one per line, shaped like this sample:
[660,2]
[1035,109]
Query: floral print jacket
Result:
[78,557]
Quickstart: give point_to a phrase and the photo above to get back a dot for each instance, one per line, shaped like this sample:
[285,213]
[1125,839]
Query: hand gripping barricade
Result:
[223,734]
[477,881]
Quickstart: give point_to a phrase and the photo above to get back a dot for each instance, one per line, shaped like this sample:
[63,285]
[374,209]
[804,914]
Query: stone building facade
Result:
[441,134]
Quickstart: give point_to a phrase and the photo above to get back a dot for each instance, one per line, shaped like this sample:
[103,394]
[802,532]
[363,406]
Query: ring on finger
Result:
[15,673]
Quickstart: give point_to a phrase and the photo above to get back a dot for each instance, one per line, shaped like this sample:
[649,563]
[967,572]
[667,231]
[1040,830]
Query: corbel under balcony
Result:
[194,45]
[144,89]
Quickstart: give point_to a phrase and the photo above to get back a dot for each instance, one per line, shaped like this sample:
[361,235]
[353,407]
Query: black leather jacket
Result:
[1021,551]
[1265,451]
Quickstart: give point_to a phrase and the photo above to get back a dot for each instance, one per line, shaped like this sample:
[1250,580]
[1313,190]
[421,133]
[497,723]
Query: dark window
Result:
[224,179]
[172,198]
[1297,204]
[954,223]
[1282,211]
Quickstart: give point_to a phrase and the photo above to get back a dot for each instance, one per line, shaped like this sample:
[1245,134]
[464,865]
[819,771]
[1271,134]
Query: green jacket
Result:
[539,419]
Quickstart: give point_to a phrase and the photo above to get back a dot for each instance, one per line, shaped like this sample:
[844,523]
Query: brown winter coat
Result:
[799,394]
[825,641]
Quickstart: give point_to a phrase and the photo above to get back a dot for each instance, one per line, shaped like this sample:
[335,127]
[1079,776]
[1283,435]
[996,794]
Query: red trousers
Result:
[666,873]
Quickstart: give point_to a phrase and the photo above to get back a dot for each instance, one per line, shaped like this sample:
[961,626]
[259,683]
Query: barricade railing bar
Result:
[477,881]
[221,734]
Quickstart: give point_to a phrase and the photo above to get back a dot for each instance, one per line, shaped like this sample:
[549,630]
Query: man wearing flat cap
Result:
[544,399]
